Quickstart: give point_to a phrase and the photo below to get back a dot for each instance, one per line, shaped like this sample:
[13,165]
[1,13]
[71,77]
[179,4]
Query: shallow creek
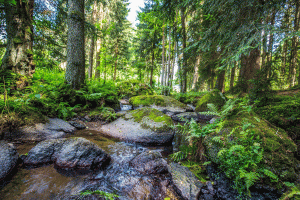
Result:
[46,182]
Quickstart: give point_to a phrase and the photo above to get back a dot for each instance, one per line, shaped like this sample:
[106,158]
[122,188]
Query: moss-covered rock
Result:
[214,97]
[278,147]
[189,97]
[130,88]
[144,125]
[159,102]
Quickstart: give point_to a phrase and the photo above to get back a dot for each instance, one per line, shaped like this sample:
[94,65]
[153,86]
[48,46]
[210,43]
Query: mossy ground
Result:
[158,100]
[279,149]
[211,97]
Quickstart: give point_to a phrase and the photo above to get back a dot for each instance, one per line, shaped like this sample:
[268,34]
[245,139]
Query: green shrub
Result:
[189,97]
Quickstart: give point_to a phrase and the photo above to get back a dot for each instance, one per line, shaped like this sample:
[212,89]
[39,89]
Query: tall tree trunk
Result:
[184,66]
[163,59]
[250,65]
[98,62]
[295,43]
[220,81]
[152,68]
[196,73]
[232,74]
[100,16]
[116,61]
[93,38]
[270,48]
[75,72]
[18,56]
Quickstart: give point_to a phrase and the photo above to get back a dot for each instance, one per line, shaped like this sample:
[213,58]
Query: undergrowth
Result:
[103,194]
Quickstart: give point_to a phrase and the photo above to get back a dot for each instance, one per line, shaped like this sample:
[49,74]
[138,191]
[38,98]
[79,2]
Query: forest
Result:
[217,81]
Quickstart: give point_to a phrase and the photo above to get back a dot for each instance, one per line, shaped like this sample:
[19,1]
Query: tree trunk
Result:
[232,74]
[92,48]
[184,66]
[220,81]
[18,56]
[152,67]
[270,49]
[294,52]
[196,73]
[116,61]
[163,59]
[250,65]
[75,72]
[97,71]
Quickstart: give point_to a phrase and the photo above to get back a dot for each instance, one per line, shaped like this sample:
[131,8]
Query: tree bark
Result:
[19,56]
[250,65]
[184,66]
[93,38]
[232,74]
[220,81]
[163,59]
[196,73]
[116,61]
[75,72]
[294,52]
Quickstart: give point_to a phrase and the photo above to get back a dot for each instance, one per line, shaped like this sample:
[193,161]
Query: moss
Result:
[189,97]
[150,118]
[279,149]
[130,88]
[17,40]
[158,100]
[211,97]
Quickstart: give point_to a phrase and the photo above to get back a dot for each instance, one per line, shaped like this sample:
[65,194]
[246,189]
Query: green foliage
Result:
[215,97]
[189,97]
[106,195]
[293,192]
[132,88]
[282,111]
[223,112]
[197,169]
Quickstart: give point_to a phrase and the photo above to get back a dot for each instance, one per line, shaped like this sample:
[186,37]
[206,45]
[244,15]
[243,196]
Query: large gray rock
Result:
[144,125]
[150,162]
[185,181]
[8,159]
[53,129]
[68,153]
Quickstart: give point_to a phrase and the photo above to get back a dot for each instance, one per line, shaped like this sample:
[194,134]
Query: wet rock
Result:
[70,153]
[185,181]
[186,116]
[144,125]
[8,158]
[77,125]
[53,129]
[165,104]
[150,162]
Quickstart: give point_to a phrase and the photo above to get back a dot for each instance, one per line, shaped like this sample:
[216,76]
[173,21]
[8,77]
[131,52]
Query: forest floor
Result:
[287,92]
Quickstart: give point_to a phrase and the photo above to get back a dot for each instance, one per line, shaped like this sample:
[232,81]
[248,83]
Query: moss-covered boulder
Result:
[99,114]
[165,104]
[144,125]
[215,97]
[130,88]
[278,148]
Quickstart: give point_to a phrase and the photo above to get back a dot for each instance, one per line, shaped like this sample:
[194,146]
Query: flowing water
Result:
[46,182]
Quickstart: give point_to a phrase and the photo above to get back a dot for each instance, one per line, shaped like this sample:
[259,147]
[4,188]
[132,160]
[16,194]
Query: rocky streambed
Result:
[128,157]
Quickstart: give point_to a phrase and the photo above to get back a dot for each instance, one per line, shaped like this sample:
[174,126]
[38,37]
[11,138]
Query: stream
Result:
[46,182]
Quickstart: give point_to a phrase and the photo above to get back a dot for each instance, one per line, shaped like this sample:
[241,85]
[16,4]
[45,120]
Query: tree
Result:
[19,29]
[75,72]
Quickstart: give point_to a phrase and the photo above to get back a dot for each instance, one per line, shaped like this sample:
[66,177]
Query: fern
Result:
[217,139]
[106,195]
[249,178]
[270,174]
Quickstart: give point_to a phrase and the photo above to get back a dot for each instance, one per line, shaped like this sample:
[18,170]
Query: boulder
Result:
[215,97]
[144,125]
[150,162]
[67,153]
[8,159]
[53,129]
[166,104]
[77,125]
[185,181]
